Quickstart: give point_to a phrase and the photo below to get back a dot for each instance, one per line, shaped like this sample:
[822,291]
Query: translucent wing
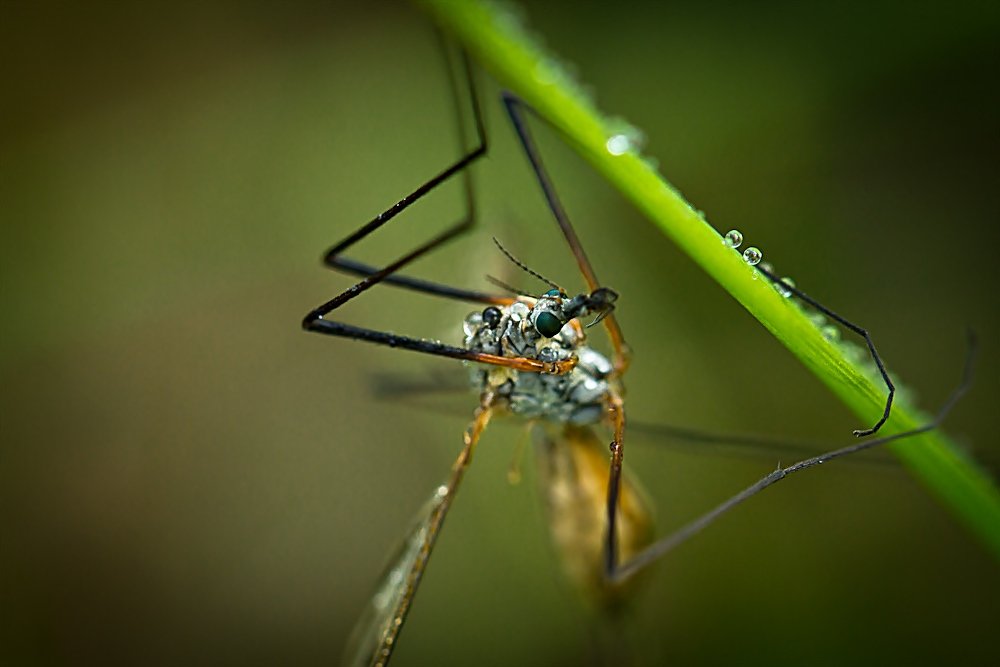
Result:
[573,474]
[374,636]
[434,390]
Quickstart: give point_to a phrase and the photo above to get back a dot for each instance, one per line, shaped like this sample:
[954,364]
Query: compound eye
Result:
[548,324]
[491,316]
[553,293]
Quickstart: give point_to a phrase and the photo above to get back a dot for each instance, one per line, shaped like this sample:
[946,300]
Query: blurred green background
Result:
[187,478]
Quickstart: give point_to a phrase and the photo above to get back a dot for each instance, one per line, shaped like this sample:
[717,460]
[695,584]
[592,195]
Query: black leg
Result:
[856,329]
[374,276]
[355,268]
[315,319]
[620,572]
[332,257]
[515,109]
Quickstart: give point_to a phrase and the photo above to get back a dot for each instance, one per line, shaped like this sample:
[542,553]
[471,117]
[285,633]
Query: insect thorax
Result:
[578,397]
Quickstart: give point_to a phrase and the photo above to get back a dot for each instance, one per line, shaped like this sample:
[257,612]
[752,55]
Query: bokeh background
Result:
[187,478]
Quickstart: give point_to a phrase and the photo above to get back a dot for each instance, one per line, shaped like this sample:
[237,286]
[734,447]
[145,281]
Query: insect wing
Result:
[374,636]
[573,473]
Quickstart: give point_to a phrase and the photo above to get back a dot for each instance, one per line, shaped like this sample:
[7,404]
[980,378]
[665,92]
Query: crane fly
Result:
[528,355]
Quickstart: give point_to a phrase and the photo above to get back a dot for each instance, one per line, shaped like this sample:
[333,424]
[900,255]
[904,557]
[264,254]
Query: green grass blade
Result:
[496,38]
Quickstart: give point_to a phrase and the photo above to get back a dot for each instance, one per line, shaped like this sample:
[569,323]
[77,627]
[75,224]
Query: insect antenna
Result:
[504,286]
[524,267]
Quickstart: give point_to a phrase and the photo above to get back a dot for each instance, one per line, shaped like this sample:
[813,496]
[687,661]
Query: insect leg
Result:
[856,329]
[619,573]
[333,258]
[353,267]
[373,276]
[315,319]
[617,414]
[516,111]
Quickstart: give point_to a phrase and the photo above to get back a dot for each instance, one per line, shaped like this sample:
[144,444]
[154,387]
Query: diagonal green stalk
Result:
[497,40]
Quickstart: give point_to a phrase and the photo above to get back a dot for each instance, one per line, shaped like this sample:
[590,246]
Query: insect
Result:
[530,356]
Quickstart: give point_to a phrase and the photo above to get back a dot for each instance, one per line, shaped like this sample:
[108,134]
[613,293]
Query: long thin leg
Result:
[617,414]
[856,329]
[426,536]
[515,109]
[314,320]
[356,268]
[734,444]
[352,267]
[619,572]
[374,276]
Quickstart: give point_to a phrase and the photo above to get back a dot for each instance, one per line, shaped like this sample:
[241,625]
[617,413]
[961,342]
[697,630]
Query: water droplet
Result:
[733,238]
[623,137]
[618,144]
[547,354]
[830,332]
[782,290]
[752,256]
[442,491]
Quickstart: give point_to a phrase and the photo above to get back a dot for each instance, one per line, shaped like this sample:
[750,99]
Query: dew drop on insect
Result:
[752,256]
[472,323]
[442,491]
[519,310]
[733,238]
[782,290]
[830,332]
